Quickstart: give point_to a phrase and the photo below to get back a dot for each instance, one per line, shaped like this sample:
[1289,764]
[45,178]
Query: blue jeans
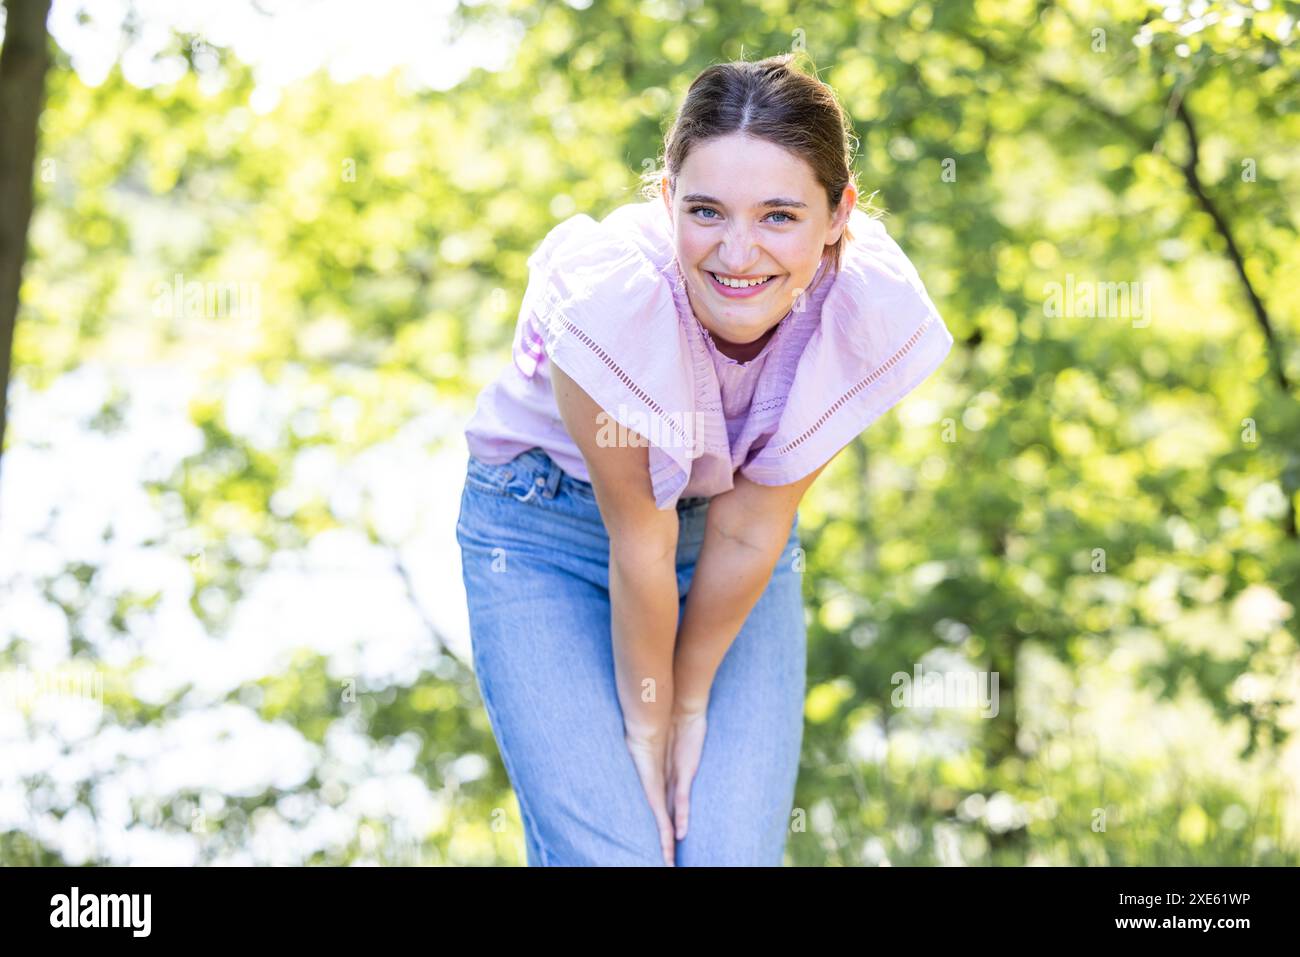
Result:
[535,559]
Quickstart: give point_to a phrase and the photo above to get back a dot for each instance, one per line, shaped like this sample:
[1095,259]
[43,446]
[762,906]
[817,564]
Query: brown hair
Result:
[771,100]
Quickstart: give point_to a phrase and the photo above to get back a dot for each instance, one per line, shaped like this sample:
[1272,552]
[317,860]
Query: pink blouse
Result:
[606,303]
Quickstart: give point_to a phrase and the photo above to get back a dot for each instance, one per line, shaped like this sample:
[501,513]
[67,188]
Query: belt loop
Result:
[553,476]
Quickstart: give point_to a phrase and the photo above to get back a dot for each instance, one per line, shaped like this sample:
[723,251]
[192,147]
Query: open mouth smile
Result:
[739,288]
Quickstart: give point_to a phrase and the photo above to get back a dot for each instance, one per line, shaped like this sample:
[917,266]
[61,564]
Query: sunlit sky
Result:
[283,40]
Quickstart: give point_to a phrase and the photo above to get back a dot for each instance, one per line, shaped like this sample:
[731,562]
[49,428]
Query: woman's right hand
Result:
[649,752]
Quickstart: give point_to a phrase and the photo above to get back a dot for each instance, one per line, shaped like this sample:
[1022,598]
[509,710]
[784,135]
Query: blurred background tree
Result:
[23,62]
[253,325]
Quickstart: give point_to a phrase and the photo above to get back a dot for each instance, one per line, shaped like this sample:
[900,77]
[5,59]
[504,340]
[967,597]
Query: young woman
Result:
[683,370]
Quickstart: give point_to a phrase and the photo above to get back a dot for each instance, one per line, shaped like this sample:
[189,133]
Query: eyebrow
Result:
[702,198]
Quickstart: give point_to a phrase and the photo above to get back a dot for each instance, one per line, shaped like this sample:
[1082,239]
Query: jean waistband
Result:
[544,469]
[547,475]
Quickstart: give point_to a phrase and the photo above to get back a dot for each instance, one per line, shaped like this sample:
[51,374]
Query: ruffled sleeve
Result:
[600,307]
[879,338]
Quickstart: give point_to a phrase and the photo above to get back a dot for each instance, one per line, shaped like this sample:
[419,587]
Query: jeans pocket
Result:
[486,477]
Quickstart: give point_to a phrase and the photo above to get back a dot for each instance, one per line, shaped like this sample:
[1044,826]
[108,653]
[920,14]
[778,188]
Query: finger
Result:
[658,806]
[682,807]
[666,843]
[668,796]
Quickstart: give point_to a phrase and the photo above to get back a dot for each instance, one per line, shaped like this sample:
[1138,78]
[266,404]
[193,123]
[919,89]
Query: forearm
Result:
[643,622]
[730,576]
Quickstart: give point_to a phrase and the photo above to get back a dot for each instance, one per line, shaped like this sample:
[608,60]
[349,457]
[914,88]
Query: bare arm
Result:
[642,562]
[744,534]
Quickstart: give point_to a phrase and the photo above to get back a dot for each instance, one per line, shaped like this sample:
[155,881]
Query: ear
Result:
[840,217]
[665,191]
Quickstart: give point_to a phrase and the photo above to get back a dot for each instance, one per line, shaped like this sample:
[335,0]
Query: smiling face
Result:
[745,209]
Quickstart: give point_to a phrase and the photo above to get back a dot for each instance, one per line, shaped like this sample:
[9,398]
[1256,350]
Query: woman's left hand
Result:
[685,746]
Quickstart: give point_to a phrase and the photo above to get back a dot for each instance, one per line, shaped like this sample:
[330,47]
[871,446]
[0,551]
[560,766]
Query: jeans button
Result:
[540,480]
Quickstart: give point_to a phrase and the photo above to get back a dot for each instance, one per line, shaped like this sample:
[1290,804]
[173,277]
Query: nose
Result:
[737,253]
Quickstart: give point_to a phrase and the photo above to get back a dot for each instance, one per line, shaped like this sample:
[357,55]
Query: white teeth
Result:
[739,283]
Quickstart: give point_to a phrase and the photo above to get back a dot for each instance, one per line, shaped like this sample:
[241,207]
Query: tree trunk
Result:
[24,60]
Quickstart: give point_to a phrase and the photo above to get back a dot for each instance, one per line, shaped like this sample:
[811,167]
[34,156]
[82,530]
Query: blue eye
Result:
[710,209]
